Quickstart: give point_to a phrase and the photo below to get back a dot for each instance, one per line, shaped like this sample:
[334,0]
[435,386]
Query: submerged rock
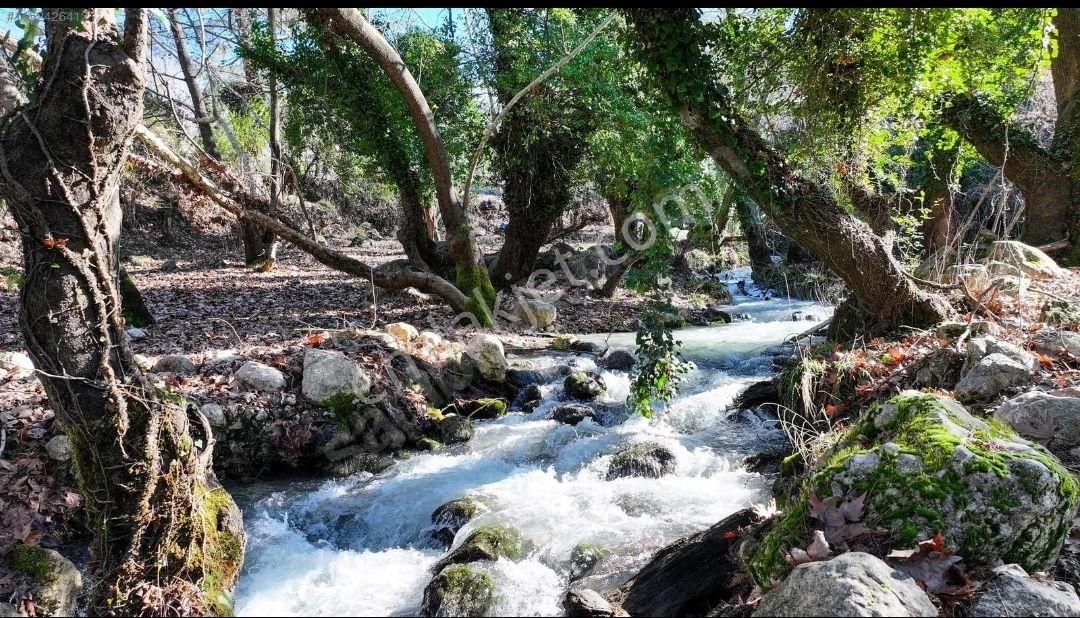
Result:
[571,414]
[259,377]
[454,429]
[584,557]
[331,378]
[458,590]
[647,459]
[530,397]
[584,385]
[851,584]
[486,543]
[924,465]
[450,517]
[618,359]
[1012,592]
[677,583]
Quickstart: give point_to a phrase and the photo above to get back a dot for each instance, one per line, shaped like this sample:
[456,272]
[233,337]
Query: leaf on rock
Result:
[933,566]
[819,549]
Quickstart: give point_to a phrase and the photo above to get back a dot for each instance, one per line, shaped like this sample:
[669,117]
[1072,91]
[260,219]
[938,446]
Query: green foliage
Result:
[659,369]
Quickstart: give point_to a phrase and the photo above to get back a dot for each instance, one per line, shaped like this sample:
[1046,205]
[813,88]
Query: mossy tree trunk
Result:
[758,249]
[168,540]
[671,43]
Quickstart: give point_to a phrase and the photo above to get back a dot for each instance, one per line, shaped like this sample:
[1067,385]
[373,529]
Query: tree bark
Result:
[472,276]
[168,539]
[938,228]
[1065,68]
[760,256]
[671,45]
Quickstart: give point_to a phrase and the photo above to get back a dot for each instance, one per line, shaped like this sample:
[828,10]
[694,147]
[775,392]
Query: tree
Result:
[672,45]
[167,538]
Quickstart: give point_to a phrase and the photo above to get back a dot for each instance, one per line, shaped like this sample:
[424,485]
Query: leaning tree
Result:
[168,540]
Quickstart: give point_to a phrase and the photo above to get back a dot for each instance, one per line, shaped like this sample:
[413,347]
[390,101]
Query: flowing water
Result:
[359,545]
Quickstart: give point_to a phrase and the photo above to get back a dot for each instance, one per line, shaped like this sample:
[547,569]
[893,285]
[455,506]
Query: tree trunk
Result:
[472,276]
[168,539]
[938,228]
[760,256]
[1065,68]
[268,241]
[669,42]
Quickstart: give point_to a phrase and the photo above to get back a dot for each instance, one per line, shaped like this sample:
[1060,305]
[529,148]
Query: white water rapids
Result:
[359,545]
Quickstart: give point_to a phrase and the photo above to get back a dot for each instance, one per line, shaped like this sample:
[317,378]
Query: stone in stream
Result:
[584,557]
[487,543]
[458,590]
[453,429]
[450,517]
[646,459]
[676,582]
[596,348]
[530,397]
[757,394]
[584,385]
[487,352]
[585,603]
[1012,592]
[851,584]
[571,414]
[484,408]
[618,359]
[522,377]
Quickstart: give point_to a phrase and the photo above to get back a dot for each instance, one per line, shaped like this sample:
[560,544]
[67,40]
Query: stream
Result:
[359,545]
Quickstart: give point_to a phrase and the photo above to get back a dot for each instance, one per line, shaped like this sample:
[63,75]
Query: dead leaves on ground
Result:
[934,567]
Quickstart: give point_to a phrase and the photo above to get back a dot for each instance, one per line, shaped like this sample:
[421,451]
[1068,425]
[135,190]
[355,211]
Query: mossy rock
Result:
[55,580]
[486,543]
[584,385]
[484,408]
[584,557]
[458,590]
[647,459]
[453,429]
[450,517]
[372,463]
[927,466]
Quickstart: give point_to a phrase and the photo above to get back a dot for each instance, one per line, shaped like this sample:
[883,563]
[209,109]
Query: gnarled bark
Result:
[671,45]
[168,540]
[757,247]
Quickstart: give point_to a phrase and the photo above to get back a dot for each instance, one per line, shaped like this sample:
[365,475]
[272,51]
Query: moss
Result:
[222,550]
[459,590]
[768,560]
[562,342]
[34,562]
[483,408]
[584,557]
[476,286]
[428,444]
[342,406]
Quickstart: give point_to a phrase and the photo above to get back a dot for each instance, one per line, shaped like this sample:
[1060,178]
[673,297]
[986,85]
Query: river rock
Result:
[924,465]
[488,354]
[56,581]
[1032,261]
[175,363]
[1054,342]
[571,414]
[1051,420]
[757,394]
[585,603]
[521,377]
[450,517]
[377,429]
[486,543]
[584,385]
[331,378]
[257,376]
[402,331]
[716,313]
[530,397]
[618,359]
[851,584]
[596,348]
[484,408]
[453,429]
[539,314]
[458,590]
[1012,592]
[646,459]
[674,582]
[584,557]
[59,448]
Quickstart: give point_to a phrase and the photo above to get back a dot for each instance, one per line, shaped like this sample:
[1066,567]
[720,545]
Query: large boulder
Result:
[536,313]
[1012,592]
[486,543]
[450,517]
[55,580]
[674,583]
[851,584]
[522,376]
[921,464]
[645,459]
[259,377]
[1029,260]
[1048,419]
[332,379]
[458,590]
[487,352]
[584,385]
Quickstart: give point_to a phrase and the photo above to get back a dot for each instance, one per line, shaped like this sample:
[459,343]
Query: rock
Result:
[939,369]
[714,313]
[487,352]
[430,340]
[402,331]
[376,429]
[17,363]
[584,557]
[596,348]
[851,584]
[572,414]
[175,363]
[618,359]
[953,329]
[259,377]
[450,517]
[924,465]
[136,334]
[584,385]
[757,394]
[1045,418]
[530,397]
[1053,342]
[143,362]
[169,266]
[699,260]
[59,448]
[458,590]
[215,414]
[981,347]
[486,543]
[330,378]
[521,377]
[454,429]
[646,459]
[991,375]
[484,408]
[1013,593]
[976,277]
[539,314]
[585,603]
[57,583]
[1032,261]
[674,582]
[358,462]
